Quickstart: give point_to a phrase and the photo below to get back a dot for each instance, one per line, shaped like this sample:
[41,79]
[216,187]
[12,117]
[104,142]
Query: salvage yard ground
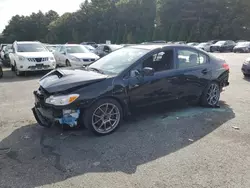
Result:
[159,147]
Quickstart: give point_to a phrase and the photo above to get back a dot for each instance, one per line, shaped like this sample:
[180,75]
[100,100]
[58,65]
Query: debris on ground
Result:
[191,140]
[236,128]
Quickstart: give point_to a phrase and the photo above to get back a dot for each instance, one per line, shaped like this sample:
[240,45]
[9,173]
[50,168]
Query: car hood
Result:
[85,55]
[60,80]
[35,54]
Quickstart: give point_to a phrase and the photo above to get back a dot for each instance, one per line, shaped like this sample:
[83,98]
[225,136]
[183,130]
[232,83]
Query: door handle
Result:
[204,71]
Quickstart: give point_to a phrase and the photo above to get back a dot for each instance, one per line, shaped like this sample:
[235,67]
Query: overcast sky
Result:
[9,8]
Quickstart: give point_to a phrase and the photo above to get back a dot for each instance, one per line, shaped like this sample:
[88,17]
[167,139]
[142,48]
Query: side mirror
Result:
[148,71]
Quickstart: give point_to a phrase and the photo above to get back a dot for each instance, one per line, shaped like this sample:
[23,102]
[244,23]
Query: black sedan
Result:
[100,95]
[223,46]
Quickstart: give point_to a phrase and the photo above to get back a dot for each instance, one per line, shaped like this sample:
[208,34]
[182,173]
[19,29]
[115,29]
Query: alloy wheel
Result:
[106,118]
[213,94]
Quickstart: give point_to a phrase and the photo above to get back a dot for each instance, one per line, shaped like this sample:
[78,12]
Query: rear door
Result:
[194,72]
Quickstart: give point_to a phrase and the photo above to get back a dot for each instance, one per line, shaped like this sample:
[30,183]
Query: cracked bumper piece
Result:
[48,118]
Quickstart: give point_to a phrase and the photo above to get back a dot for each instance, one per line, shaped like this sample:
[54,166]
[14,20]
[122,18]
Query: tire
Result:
[207,99]
[68,63]
[246,75]
[94,117]
[18,73]
[12,68]
[1,72]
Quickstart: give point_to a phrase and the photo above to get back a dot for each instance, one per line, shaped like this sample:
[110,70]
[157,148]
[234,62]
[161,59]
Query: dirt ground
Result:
[172,146]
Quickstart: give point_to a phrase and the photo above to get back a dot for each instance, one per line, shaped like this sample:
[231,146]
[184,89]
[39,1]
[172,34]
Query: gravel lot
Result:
[159,147]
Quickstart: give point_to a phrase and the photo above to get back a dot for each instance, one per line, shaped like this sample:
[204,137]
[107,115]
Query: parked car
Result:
[223,46]
[204,46]
[242,47]
[2,47]
[180,42]
[246,67]
[90,48]
[155,42]
[6,50]
[105,49]
[90,43]
[74,55]
[52,47]
[100,95]
[192,43]
[26,56]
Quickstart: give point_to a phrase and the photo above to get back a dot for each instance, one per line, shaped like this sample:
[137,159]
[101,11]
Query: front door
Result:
[146,90]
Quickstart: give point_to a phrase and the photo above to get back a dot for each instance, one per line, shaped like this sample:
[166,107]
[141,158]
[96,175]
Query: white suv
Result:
[30,56]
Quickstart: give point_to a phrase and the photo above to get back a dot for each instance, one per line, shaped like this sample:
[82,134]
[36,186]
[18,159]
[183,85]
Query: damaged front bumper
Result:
[48,117]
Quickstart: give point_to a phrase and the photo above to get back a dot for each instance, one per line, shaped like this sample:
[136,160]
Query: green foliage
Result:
[134,21]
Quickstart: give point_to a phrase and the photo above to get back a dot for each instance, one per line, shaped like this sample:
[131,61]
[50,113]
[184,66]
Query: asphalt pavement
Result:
[168,146]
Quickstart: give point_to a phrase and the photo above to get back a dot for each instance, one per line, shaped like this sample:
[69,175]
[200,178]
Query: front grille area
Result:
[40,59]
[88,60]
[39,66]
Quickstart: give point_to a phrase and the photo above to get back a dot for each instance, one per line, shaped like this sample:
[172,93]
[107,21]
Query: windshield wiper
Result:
[96,70]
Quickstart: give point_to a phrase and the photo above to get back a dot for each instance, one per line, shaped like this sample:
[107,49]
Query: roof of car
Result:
[155,46]
[27,42]
[72,45]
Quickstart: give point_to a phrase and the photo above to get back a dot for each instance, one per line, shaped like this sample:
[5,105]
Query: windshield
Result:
[32,47]
[51,48]
[220,43]
[243,44]
[76,49]
[119,60]
[91,48]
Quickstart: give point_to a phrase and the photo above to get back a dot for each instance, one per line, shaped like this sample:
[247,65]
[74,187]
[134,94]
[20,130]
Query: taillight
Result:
[225,66]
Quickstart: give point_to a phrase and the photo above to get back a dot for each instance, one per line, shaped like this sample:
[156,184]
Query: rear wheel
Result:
[103,117]
[68,63]
[211,95]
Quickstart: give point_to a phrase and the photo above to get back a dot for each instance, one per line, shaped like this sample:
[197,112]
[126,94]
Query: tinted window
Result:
[190,58]
[31,47]
[119,60]
[160,61]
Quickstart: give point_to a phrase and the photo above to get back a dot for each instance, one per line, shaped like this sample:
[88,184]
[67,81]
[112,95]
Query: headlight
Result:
[61,100]
[51,58]
[21,58]
[74,59]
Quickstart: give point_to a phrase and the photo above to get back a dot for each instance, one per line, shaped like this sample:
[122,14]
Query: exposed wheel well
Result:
[124,106]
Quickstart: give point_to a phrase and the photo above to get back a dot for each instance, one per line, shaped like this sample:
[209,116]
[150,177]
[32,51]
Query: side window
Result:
[161,61]
[99,48]
[62,49]
[106,49]
[190,58]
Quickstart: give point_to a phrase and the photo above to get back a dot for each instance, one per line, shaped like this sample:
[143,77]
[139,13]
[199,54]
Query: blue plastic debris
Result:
[70,117]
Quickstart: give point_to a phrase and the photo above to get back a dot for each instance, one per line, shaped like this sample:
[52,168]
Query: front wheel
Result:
[103,117]
[18,73]
[211,95]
